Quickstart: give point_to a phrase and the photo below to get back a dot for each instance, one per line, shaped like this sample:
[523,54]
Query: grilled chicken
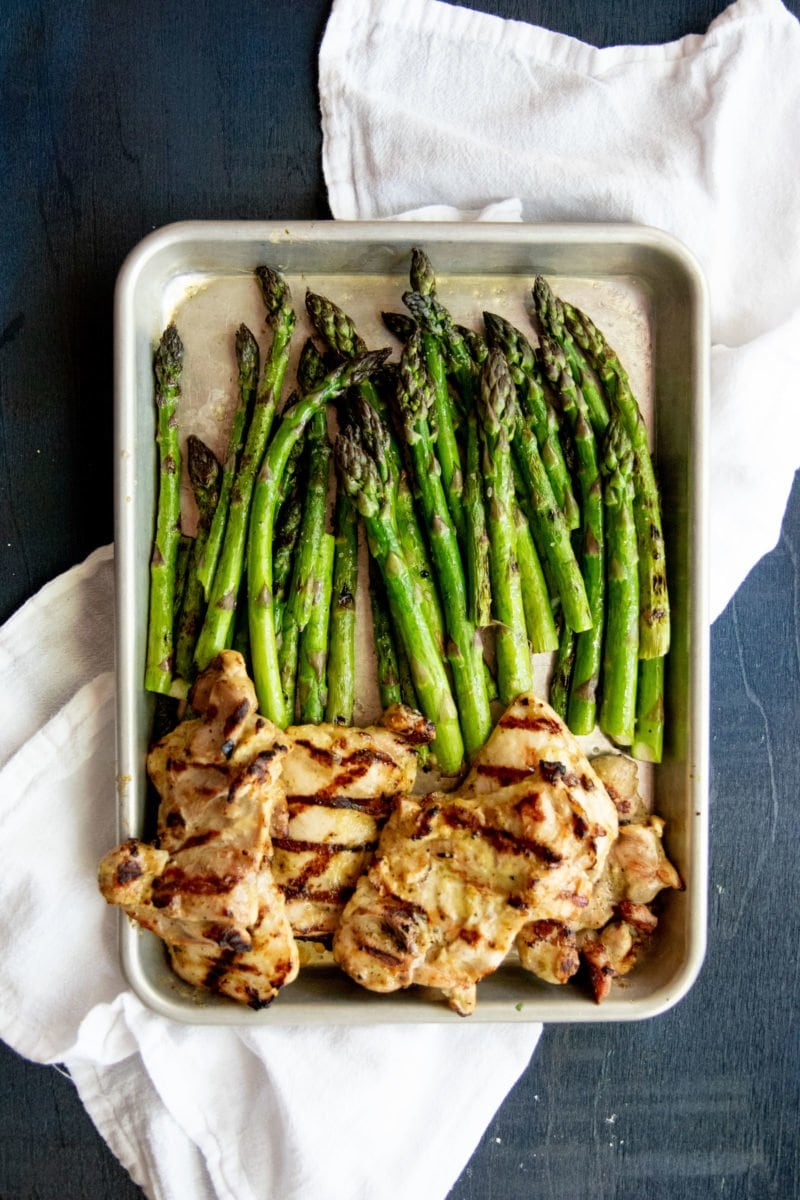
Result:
[206,888]
[341,784]
[458,875]
[610,932]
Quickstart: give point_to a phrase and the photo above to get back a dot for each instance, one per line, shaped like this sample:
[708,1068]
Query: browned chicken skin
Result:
[206,889]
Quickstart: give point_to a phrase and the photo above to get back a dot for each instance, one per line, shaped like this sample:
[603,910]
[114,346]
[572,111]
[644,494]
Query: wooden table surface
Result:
[118,118]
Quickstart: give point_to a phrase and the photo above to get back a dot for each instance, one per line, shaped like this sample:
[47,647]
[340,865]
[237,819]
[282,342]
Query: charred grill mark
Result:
[328,758]
[129,869]
[392,960]
[256,1001]
[176,766]
[323,849]
[534,724]
[338,896]
[552,771]
[504,775]
[232,940]
[236,718]
[470,936]
[424,822]
[579,826]
[175,881]
[218,970]
[587,784]
[500,839]
[354,767]
[371,806]
[175,819]
[200,839]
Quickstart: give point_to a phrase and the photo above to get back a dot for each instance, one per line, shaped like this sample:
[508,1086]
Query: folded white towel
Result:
[427,104]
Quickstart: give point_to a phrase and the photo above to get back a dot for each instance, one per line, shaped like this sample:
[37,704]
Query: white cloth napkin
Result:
[296,1114]
[427,104]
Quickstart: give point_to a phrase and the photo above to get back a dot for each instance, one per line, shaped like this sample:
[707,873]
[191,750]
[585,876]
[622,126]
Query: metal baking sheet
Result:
[646,292]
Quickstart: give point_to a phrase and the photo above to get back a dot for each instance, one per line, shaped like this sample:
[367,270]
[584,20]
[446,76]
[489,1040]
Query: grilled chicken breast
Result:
[341,784]
[458,875]
[609,934]
[206,888]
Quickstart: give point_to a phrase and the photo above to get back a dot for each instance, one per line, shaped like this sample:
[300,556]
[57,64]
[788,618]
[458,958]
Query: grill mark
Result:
[200,839]
[552,771]
[424,822]
[504,775]
[500,839]
[236,718]
[339,896]
[294,846]
[383,956]
[175,880]
[371,806]
[533,724]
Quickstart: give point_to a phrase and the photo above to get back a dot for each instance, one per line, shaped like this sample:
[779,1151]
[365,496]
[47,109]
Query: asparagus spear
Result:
[434,317]
[550,311]
[313,651]
[423,282]
[541,628]
[290,516]
[374,499]
[533,402]
[204,476]
[315,511]
[562,671]
[582,708]
[465,649]
[400,325]
[620,657]
[648,735]
[304,588]
[181,570]
[386,663]
[218,625]
[167,364]
[264,649]
[654,616]
[342,649]
[550,530]
[496,411]
[340,334]
[247,357]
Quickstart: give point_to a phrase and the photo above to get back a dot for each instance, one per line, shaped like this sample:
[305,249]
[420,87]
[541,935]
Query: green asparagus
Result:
[465,649]
[654,615]
[620,657]
[361,479]
[218,625]
[312,656]
[247,358]
[204,476]
[168,365]
[342,650]
[263,642]
[497,415]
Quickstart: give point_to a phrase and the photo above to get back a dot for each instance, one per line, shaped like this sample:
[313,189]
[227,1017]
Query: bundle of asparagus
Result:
[508,501]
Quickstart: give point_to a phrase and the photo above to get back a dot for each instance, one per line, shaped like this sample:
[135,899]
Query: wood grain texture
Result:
[119,118]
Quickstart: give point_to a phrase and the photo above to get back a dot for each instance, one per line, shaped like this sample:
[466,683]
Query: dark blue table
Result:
[117,118]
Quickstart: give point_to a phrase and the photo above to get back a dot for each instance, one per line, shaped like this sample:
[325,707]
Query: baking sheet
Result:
[646,295]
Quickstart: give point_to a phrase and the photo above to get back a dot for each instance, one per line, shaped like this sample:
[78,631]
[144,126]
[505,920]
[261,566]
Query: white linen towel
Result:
[347,1114]
[426,104]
